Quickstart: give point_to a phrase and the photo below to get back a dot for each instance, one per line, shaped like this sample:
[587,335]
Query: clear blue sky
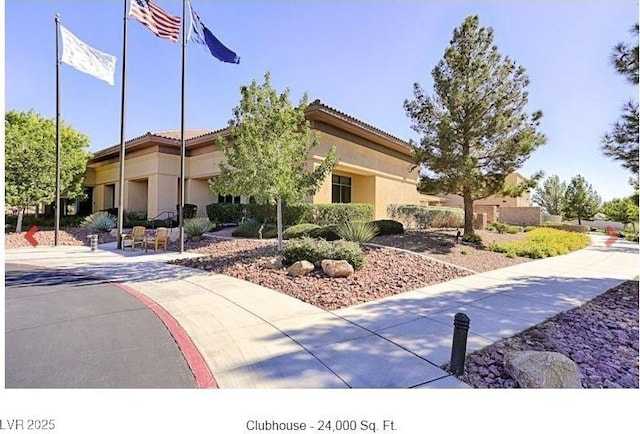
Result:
[359,57]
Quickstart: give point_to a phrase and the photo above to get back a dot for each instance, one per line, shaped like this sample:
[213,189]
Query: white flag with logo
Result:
[85,58]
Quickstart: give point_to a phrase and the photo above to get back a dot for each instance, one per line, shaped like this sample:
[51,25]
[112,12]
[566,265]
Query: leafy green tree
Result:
[474,129]
[551,195]
[624,211]
[621,143]
[268,153]
[30,161]
[581,201]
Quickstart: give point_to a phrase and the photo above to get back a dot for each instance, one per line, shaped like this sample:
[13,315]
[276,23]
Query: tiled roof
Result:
[318,104]
[191,134]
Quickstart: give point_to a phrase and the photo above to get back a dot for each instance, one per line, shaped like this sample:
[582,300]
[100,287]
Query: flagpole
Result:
[56,207]
[182,144]
[122,139]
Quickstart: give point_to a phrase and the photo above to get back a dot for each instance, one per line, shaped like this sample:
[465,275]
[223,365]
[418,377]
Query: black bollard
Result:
[459,345]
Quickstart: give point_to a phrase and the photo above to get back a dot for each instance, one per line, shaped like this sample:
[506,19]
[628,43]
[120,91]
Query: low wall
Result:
[524,216]
[490,210]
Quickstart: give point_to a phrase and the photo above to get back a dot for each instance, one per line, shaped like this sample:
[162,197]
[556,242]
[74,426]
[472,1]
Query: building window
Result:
[340,189]
[228,199]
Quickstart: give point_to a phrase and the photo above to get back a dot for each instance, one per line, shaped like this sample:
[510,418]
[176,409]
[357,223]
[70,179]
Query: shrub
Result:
[190,211]
[251,230]
[99,222]
[329,233]
[630,236]
[315,250]
[472,238]
[568,227]
[137,215]
[349,251]
[359,232]
[529,228]
[335,213]
[425,217]
[112,211]
[543,242]
[299,231]
[389,227]
[502,228]
[226,213]
[196,227]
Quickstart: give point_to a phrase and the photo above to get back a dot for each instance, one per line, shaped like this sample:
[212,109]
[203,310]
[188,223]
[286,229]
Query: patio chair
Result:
[135,238]
[161,238]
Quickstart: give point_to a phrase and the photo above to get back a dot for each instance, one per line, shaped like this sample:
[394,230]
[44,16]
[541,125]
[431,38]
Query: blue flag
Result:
[200,35]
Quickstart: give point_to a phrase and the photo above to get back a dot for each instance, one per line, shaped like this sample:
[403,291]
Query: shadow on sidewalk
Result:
[409,329]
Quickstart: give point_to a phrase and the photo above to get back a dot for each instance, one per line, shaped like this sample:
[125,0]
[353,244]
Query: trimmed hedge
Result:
[389,227]
[29,220]
[425,217]
[315,250]
[325,214]
[299,231]
[190,211]
[226,213]
[319,214]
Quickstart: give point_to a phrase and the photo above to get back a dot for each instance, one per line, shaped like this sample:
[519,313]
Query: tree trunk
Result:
[19,222]
[579,221]
[468,213]
[279,222]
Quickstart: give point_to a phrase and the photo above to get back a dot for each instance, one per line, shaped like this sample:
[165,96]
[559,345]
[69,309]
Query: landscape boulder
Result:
[273,263]
[333,268]
[542,370]
[300,268]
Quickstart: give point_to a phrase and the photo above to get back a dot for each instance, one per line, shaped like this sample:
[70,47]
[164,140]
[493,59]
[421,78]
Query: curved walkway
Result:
[254,337]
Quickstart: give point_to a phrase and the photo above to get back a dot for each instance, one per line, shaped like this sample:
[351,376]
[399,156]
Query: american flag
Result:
[155,19]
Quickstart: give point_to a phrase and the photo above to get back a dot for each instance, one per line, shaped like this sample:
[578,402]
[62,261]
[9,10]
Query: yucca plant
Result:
[194,228]
[360,232]
[99,222]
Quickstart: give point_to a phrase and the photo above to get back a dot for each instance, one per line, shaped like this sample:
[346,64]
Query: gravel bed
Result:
[385,272]
[601,337]
[441,245]
[45,237]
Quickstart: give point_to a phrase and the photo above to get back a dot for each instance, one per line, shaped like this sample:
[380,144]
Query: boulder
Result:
[542,370]
[300,268]
[333,268]
[273,263]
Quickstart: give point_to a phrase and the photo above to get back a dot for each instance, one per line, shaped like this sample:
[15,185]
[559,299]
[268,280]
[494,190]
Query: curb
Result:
[195,361]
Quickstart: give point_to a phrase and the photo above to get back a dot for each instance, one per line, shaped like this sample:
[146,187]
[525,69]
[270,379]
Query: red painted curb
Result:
[204,378]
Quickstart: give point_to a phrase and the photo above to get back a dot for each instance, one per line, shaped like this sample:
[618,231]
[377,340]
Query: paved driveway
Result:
[67,331]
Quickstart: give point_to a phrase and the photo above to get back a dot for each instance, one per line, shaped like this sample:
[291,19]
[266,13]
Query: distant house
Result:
[373,167]
[501,201]
[514,210]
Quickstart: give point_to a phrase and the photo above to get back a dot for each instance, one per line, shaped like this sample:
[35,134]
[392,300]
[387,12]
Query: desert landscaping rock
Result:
[441,244]
[542,370]
[45,237]
[333,268]
[601,337]
[375,280]
[300,268]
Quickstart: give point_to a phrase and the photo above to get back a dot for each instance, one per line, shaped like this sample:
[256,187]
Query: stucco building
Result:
[373,167]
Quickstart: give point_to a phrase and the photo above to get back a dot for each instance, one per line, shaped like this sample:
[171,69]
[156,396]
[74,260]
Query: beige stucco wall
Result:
[136,195]
[376,177]
[379,176]
[197,192]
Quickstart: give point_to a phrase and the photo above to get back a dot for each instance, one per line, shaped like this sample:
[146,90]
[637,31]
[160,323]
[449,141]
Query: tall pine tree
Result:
[474,127]
[621,143]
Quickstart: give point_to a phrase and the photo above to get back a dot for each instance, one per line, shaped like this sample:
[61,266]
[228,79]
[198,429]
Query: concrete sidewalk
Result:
[254,337]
